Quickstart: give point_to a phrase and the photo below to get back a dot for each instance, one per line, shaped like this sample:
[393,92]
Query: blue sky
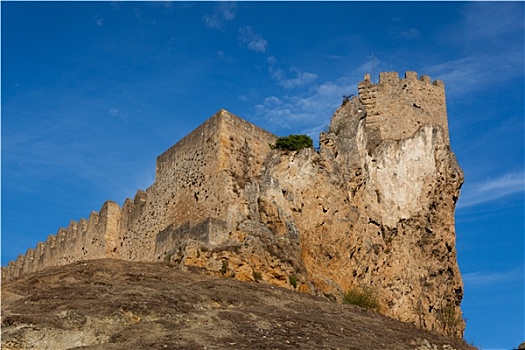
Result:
[93,92]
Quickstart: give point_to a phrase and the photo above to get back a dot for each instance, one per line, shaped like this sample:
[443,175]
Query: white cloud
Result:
[488,43]
[476,71]
[306,111]
[224,11]
[99,21]
[484,278]
[492,189]
[301,78]
[272,100]
[252,40]
[373,65]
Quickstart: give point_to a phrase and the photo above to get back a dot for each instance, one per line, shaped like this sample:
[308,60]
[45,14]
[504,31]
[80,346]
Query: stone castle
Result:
[372,209]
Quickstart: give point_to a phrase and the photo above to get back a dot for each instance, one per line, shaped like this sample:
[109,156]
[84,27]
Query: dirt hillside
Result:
[111,304]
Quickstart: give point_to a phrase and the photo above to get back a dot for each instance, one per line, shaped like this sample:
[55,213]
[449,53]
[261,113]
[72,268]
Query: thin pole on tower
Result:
[373,59]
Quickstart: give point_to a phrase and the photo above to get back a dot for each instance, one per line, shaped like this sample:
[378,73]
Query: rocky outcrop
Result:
[353,215]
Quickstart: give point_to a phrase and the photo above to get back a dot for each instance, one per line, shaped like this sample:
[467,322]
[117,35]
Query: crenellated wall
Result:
[195,191]
[398,107]
[84,240]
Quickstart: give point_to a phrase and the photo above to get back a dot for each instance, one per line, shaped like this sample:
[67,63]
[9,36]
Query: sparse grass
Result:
[293,281]
[362,297]
[224,267]
[449,319]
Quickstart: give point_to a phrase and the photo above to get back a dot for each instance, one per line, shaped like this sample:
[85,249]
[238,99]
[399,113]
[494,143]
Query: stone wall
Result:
[196,179]
[209,230]
[373,207]
[397,108]
[196,190]
[93,238]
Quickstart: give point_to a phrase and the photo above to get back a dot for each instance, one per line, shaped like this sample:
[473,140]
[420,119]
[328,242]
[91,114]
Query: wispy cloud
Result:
[165,4]
[373,65]
[223,12]
[99,21]
[118,114]
[472,73]
[114,112]
[300,79]
[137,13]
[252,40]
[486,278]
[224,56]
[491,20]
[404,33]
[488,41]
[309,110]
[492,189]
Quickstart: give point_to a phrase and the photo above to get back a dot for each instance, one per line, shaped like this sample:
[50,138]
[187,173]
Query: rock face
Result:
[371,211]
[379,218]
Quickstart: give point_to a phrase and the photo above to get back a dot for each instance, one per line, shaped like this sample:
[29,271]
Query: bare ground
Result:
[110,304]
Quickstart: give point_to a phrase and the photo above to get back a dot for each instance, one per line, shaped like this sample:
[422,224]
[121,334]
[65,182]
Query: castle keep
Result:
[372,208]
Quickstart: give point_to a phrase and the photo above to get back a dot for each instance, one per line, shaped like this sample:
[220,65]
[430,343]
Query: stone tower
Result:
[397,108]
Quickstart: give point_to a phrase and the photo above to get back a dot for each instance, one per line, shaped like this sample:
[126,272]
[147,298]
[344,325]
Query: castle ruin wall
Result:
[398,107]
[194,185]
[193,182]
[85,240]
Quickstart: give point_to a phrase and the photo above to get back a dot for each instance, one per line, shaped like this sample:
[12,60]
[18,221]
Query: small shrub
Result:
[362,297]
[449,319]
[293,281]
[224,267]
[293,143]
[257,275]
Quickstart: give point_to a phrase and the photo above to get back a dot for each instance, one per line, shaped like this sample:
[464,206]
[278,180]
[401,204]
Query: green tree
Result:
[293,142]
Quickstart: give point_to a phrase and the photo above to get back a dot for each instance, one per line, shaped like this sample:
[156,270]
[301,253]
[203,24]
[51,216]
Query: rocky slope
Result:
[110,304]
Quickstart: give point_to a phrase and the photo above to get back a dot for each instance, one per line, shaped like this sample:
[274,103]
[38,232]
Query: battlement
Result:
[398,107]
[393,78]
[83,240]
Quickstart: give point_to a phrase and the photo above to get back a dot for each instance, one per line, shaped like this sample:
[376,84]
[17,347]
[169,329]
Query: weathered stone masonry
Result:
[194,187]
[397,108]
